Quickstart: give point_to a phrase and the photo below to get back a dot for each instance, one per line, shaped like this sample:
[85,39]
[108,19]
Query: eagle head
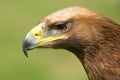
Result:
[62,29]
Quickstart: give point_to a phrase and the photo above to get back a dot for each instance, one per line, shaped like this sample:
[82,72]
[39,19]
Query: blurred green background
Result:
[17,17]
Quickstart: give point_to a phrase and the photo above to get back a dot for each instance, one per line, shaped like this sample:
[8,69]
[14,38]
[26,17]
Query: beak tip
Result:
[25,52]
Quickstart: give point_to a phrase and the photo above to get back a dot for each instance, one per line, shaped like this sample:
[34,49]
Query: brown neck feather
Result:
[101,59]
[101,62]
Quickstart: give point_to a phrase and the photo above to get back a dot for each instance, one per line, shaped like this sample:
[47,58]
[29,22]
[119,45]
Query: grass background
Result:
[17,17]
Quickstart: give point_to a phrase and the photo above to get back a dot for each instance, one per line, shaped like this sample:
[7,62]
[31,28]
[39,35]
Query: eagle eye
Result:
[62,26]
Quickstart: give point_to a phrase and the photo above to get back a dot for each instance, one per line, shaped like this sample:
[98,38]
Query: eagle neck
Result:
[96,61]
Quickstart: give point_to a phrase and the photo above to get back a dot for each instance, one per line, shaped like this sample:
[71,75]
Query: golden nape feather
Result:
[93,38]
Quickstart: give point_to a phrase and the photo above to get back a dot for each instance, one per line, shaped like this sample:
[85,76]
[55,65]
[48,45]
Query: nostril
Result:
[36,34]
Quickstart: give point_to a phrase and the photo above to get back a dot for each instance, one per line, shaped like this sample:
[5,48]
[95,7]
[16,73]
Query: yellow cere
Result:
[37,31]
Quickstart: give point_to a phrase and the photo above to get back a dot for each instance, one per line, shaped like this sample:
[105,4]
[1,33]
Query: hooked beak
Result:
[29,43]
[32,39]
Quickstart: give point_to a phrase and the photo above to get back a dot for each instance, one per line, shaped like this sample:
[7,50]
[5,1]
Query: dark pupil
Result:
[61,26]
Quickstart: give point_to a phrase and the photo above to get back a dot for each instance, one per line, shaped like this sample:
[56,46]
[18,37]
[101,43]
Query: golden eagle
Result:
[93,38]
